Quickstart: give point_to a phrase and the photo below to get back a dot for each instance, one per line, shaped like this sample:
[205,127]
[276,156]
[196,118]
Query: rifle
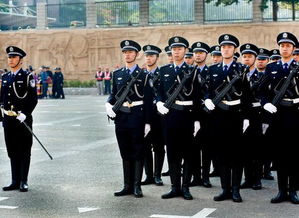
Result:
[279,94]
[171,98]
[122,94]
[217,99]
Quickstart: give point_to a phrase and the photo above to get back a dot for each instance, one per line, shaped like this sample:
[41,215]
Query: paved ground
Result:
[86,170]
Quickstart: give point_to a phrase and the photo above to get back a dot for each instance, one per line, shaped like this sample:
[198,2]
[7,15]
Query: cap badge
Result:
[198,44]
[248,46]
[261,50]
[176,39]
[226,37]
[217,48]
[285,35]
[10,48]
[127,43]
[274,52]
[148,47]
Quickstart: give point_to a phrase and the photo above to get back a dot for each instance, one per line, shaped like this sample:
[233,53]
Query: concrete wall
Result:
[79,51]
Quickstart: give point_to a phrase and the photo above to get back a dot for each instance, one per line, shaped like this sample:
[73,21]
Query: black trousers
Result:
[18,142]
[178,129]
[285,127]
[226,130]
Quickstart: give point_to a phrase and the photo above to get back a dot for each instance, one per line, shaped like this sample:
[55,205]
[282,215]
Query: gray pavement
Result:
[86,170]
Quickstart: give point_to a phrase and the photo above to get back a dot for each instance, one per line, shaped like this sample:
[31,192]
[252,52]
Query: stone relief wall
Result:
[79,52]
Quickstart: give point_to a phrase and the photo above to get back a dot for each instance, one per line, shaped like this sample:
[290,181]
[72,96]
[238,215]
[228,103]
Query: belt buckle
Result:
[129,105]
[11,113]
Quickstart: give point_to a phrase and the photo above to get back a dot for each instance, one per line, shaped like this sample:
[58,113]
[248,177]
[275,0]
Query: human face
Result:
[129,56]
[286,49]
[150,59]
[216,59]
[200,57]
[296,57]
[261,64]
[170,58]
[227,51]
[189,60]
[248,59]
[178,53]
[14,62]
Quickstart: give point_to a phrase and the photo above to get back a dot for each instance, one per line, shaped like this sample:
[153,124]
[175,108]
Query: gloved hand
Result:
[270,108]
[265,126]
[21,117]
[209,104]
[196,127]
[109,110]
[245,124]
[147,129]
[161,108]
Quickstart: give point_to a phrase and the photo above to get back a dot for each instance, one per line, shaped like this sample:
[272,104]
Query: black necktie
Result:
[225,70]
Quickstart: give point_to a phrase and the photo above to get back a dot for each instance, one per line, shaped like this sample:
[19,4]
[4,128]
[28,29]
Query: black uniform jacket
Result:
[140,91]
[19,92]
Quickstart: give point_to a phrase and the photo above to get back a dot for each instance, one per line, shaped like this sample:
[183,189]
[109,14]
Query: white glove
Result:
[209,104]
[196,127]
[245,124]
[265,126]
[109,110]
[147,129]
[270,108]
[21,117]
[161,108]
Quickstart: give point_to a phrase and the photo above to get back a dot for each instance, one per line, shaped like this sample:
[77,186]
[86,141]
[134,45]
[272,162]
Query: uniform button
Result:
[8,102]
[8,94]
[9,86]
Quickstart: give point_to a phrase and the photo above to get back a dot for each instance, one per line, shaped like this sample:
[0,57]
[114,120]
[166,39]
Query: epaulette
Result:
[166,65]
[117,70]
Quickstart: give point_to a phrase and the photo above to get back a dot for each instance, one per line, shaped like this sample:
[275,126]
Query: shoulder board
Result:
[166,65]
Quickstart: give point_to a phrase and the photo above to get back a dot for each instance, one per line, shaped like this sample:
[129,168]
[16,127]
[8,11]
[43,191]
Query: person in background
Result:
[107,80]
[99,79]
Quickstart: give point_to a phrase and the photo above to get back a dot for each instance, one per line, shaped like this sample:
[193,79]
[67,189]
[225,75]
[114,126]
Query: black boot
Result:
[186,193]
[236,195]
[23,186]
[267,172]
[127,171]
[280,197]
[174,192]
[15,175]
[294,197]
[257,185]
[225,178]
[138,168]
[225,195]
[159,160]
[165,173]
[148,168]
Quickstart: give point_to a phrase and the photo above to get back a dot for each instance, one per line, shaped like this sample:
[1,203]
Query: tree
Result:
[264,5]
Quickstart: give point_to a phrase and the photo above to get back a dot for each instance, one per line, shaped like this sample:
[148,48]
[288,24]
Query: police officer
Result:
[132,121]
[261,62]
[154,140]
[216,54]
[284,123]
[252,136]
[58,83]
[236,56]
[275,55]
[228,117]
[201,168]
[189,57]
[167,50]
[18,99]
[180,119]
[296,54]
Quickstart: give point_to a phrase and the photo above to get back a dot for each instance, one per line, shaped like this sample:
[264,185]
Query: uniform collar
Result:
[132,69]
[15,73]
[174,65]
[289,62]
[228,65]
[249,74]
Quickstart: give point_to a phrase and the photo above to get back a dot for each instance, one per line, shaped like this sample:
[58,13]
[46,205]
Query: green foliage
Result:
[79,84]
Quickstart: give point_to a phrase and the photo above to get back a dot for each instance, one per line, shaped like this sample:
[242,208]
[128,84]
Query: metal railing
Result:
[121,13]
[118,13]
[285,12]
[67,15]
[241,12]
[171,11]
